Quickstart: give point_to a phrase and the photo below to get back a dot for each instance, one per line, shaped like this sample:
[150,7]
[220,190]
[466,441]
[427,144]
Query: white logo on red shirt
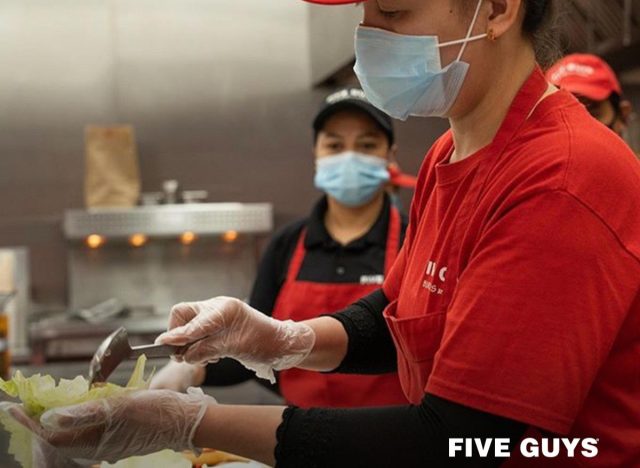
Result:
[434,275]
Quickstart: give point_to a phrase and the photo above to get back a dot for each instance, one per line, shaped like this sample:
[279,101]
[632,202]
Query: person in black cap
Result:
[331,258]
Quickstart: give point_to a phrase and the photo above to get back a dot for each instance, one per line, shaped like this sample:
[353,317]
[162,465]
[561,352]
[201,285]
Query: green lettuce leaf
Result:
[40,393]
[20,441]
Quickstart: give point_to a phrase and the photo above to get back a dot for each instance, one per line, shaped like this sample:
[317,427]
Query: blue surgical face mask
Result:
[402,75]
[351,178]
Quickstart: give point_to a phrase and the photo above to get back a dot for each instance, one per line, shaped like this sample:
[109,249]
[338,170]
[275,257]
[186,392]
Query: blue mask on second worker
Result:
[351,178]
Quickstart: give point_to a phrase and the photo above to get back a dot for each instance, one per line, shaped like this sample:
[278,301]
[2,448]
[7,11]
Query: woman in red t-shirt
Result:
[513,308]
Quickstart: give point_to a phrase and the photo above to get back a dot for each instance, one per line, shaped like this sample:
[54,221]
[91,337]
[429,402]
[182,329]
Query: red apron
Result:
[303,300]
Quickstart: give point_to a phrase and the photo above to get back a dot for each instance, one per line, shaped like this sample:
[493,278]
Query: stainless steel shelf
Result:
[170,220]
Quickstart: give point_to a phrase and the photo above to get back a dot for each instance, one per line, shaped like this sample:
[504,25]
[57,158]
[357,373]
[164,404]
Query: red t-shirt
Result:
[517,289]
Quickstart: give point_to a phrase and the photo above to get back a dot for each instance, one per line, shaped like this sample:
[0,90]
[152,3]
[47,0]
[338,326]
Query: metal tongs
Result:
[116,348]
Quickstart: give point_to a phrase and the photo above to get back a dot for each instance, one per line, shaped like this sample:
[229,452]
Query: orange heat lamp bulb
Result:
[188,238]
[95,241]
[230,236]
[138,240]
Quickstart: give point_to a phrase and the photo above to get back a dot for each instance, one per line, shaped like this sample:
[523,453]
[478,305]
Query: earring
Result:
[491,35]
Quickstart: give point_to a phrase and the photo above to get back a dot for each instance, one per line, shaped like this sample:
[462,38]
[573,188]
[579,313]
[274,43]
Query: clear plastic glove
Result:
[26,446]
[178,376]
[228,327]
[137,423]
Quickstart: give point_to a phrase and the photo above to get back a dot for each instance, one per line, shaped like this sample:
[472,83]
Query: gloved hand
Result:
[26,446]
[228,327]
[178,376]
[136,423]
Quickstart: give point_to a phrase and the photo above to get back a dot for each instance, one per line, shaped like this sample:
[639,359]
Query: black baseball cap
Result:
[352,98]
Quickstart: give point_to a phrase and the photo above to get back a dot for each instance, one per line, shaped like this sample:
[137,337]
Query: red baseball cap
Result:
[585,75]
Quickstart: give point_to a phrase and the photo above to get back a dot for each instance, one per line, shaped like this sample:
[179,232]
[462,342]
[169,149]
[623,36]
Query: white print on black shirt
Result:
[372,279]
[435,278]
[529,447]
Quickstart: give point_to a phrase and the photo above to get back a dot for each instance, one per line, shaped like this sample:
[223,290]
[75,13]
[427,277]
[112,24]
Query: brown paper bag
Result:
[112,176]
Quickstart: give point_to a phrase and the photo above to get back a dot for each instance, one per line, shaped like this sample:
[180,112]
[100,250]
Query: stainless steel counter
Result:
[61,338]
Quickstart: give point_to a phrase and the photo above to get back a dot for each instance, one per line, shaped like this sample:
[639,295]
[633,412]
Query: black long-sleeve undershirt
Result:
[370,349]
[406,436]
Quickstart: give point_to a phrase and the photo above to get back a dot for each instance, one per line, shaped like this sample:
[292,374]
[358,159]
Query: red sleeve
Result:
[535,313]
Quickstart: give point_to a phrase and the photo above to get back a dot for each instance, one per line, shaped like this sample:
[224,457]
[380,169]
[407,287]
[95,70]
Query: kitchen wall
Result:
[632,93]
[219,91]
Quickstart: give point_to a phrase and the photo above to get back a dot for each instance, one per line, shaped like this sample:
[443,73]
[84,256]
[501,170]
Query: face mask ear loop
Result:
[473,23]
